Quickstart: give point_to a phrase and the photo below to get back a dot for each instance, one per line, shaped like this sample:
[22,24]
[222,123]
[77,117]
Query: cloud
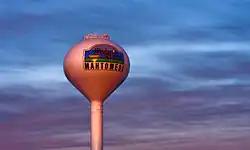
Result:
[188,87]
[172,118]
[202,21]
[201,29]
[176,63]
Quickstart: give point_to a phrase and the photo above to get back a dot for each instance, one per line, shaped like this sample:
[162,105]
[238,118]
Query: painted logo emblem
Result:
[103,57]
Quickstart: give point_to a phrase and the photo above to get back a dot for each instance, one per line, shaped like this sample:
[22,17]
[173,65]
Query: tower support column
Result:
[96,127]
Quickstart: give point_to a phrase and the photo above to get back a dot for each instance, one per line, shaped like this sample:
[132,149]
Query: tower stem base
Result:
[96,137]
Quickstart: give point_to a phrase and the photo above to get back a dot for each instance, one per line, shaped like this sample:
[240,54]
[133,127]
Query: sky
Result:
[188,87]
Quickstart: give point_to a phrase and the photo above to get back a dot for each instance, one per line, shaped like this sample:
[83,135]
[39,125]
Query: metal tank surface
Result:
[96,66]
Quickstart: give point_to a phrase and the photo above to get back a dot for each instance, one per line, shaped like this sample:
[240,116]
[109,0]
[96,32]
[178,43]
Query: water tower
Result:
[96,66]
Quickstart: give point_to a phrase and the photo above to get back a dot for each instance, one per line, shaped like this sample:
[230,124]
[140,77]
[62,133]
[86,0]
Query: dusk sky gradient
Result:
[188,89]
